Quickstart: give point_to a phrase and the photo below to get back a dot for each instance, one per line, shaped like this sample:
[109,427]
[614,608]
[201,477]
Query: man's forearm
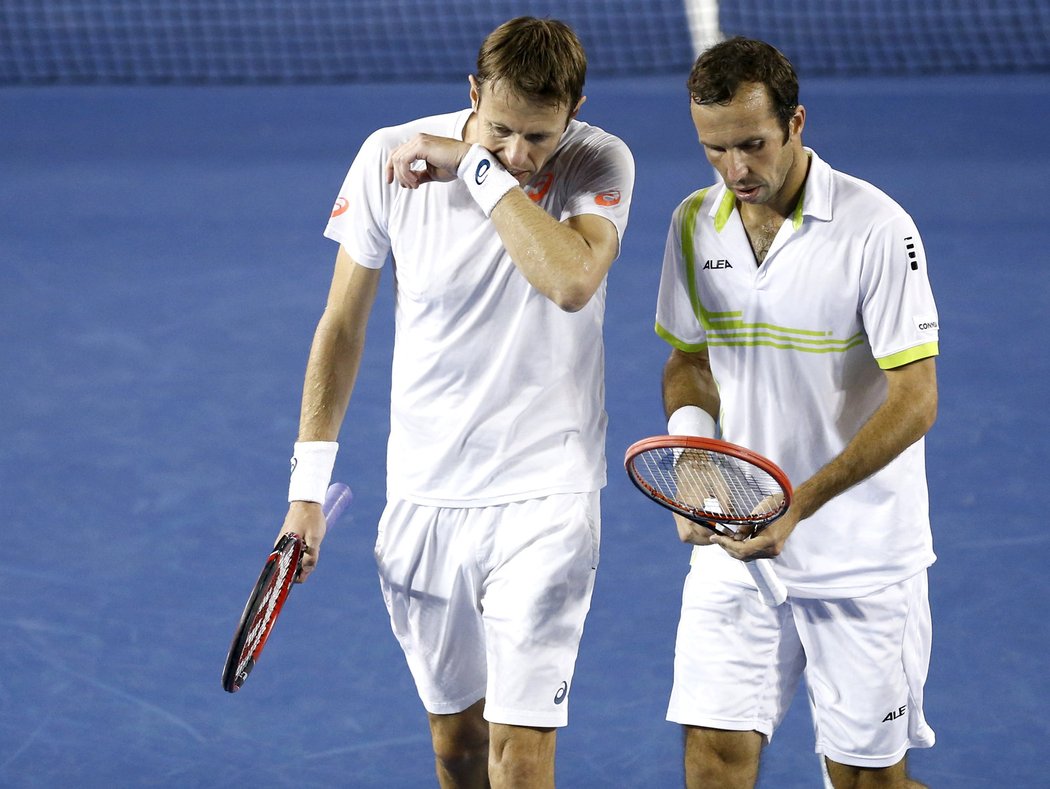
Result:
[903,418]
[335,358]
[687,380]
[553,256]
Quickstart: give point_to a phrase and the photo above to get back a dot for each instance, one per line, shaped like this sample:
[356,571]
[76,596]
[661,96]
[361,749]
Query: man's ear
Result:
[798,120]
[577,109]
[475,92]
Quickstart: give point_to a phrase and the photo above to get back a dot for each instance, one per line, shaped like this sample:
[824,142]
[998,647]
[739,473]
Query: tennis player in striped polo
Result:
[502,220]
[801,319]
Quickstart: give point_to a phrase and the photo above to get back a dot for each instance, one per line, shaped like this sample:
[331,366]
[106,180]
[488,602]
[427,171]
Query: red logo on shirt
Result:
[608,199]
[340,207]
[538,190]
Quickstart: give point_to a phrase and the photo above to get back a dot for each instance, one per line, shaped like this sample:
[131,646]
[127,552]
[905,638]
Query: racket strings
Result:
[710,483]
[271,598]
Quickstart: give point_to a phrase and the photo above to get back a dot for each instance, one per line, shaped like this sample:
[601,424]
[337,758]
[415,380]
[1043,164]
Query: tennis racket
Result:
[717,484]
[271,590]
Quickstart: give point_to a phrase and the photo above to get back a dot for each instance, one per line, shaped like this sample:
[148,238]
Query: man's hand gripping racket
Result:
[719,485]
[260,612]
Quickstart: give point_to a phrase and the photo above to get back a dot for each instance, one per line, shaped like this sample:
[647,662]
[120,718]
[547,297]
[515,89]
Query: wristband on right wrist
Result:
[691,420]
[486,179]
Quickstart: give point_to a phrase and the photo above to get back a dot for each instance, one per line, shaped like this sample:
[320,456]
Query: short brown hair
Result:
[721,69]
[538,59]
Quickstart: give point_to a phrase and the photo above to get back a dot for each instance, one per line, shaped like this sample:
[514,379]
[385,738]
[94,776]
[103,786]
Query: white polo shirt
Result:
[797,347]
[497,394]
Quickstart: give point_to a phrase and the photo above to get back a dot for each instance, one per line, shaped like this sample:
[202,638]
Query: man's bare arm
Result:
[331,371]
[565,261]
[905,416]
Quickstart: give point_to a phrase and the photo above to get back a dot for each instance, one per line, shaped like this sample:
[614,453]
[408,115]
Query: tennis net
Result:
[251,41]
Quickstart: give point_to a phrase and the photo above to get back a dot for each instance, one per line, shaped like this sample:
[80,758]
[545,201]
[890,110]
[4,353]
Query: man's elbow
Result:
[573,296]
[924,416]
[930,413]
[571,301]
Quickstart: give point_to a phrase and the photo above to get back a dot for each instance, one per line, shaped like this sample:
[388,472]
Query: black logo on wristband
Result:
[482,171]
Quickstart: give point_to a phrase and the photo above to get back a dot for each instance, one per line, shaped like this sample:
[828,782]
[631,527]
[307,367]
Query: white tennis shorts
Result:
[489,602]
[738,663]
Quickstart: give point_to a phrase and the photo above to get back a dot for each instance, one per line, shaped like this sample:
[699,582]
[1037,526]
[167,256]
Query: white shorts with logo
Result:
[738,663]
[490,602]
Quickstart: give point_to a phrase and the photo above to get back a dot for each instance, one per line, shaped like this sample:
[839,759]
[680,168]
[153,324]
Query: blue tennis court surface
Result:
[163,267]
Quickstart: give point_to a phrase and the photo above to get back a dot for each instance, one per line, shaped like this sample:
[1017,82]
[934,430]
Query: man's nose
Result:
[737,168]
[517,153]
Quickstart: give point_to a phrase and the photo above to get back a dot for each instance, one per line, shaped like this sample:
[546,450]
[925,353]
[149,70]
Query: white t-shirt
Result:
[797,347]
[497,394]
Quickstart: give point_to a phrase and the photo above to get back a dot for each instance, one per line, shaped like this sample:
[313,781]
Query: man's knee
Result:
[714,757]
[522,756]
[461,741]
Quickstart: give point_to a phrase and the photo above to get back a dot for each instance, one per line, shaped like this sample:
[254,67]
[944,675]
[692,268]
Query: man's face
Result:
[744,141]
[521,133]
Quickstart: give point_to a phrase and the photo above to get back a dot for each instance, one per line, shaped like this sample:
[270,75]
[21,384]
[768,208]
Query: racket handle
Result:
[770,588]
[336,501]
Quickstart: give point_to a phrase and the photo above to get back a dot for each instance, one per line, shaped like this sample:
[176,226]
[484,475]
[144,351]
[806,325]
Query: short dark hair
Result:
[721,69]
[539,59]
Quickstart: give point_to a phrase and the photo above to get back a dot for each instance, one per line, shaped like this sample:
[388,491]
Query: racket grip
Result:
[770,588]
[336,501]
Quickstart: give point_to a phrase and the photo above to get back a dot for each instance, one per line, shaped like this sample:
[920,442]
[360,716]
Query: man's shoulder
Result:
[581,136]
[447,124]
[863,200]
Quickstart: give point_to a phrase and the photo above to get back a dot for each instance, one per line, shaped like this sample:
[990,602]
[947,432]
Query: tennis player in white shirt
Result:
[501,221]
[798,306]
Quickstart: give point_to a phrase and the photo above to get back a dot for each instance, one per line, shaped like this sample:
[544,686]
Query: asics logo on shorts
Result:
[563,691]
[482,171]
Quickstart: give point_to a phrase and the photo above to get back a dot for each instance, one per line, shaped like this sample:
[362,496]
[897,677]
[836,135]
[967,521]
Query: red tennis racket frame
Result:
[664,445]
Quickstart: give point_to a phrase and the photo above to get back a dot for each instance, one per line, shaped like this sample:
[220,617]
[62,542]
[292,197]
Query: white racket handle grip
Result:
[770,588]
[336,501]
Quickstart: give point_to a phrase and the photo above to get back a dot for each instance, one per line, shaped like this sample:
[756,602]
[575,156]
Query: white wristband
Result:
[312,464]
[691,420]
[485,177]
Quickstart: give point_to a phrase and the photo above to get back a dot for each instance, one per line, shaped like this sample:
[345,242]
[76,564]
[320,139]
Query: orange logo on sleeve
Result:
[538,190]
[608,199]
[340,207]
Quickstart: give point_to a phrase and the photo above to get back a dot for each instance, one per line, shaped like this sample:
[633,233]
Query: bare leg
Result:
[521,757]
[844,776]
[461,748]
[717,759]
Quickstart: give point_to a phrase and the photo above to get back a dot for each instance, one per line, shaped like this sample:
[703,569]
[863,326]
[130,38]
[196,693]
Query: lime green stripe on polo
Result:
[692,208]
[725,325]
[749,337]
[796,217]
[679,344]
[725,210]
[784,345]
[689,215]
[902,358]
